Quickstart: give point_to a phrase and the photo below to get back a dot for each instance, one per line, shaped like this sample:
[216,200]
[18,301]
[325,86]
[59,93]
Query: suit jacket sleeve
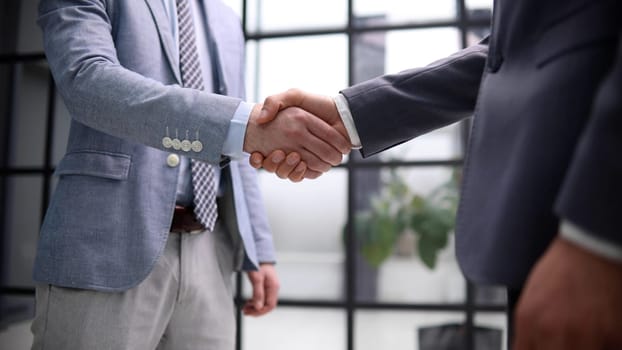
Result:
[262,235]
[393,109]
[101,93]
[591,196]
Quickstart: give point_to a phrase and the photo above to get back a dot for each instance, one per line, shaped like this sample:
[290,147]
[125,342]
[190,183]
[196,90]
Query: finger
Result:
[290,163]
[249,310]
[298,174]
[331,136]
[256,159]
[323,141]
[274,159]
[314,162]
[252,311]
[319,154]
[272,296]
[257,281]
[273,104]
[311,174]
[270,300]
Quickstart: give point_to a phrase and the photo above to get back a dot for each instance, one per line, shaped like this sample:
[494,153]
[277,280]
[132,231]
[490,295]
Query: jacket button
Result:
[172,160]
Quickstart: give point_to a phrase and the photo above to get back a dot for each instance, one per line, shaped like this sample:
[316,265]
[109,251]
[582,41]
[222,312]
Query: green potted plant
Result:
[399,215]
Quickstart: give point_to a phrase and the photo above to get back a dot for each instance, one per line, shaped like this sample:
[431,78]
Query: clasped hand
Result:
[296,135]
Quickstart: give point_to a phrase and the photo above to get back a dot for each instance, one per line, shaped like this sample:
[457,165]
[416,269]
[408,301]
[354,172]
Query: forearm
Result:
[395,108]
[105,95]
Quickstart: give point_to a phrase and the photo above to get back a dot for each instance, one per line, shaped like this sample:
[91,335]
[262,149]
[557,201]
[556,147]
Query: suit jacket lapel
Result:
[164,30]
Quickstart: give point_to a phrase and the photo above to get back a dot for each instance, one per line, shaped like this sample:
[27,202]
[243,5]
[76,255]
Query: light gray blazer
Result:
[114,64]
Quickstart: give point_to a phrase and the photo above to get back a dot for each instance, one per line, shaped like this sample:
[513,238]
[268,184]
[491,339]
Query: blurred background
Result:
[365,253]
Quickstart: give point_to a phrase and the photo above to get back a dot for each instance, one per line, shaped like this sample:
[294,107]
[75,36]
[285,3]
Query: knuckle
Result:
[337,158]
[270,100]
[294,92]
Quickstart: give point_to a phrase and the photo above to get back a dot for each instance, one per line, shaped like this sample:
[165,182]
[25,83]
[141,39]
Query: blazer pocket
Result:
[114,166]
[592,26]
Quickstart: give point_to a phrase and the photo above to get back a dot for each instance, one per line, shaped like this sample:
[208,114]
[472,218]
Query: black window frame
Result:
[11,62]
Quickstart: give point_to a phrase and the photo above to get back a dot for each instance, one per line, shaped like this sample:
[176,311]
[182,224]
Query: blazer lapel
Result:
[164,31]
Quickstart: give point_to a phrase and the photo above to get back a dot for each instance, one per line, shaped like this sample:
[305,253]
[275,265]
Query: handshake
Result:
[296,135]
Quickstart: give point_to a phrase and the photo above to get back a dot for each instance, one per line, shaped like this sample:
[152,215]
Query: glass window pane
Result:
[236,5]
[281,15]
[474,35]
[29,122]
[281,64]
[441,144]
[377,53]
[419,47]
[9,26]
[406,11]
[307,221]
[16,313]
[30,38]
[491,332]
[404,230]
[399,330]
[23,217]
[251,73]
[300,329]
[490,295]
[479,4]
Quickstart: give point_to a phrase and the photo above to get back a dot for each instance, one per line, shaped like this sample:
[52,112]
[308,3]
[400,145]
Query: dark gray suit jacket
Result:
[546,94]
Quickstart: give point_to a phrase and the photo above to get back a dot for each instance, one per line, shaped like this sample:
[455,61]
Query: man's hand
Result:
[289,165]
[321,106]
[572,300]
[286,166]
[265,291]
[296,130]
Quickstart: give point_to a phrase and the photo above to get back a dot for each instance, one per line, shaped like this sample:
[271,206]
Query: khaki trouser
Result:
[186,302]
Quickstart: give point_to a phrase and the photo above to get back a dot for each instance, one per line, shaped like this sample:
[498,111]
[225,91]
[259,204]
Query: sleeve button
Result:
[172,160]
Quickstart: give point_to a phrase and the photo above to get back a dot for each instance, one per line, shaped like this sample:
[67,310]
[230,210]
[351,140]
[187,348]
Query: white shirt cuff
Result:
[234,141]
[596,245]
[346,116]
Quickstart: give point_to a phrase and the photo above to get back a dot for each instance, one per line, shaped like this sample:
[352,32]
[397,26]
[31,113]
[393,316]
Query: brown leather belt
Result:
[184,221]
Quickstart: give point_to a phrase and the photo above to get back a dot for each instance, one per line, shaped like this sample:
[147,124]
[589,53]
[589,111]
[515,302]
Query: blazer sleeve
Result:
[262,234]
[102,94]
[591,196]
[395,108]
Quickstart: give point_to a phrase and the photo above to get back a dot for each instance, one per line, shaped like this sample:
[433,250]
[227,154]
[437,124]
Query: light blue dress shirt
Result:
[234,141]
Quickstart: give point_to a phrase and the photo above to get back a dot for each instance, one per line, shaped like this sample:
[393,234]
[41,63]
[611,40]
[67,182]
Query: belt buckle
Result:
[187,231]
[194,232]
[184,222]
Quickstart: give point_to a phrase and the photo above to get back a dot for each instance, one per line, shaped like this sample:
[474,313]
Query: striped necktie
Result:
[203,175]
